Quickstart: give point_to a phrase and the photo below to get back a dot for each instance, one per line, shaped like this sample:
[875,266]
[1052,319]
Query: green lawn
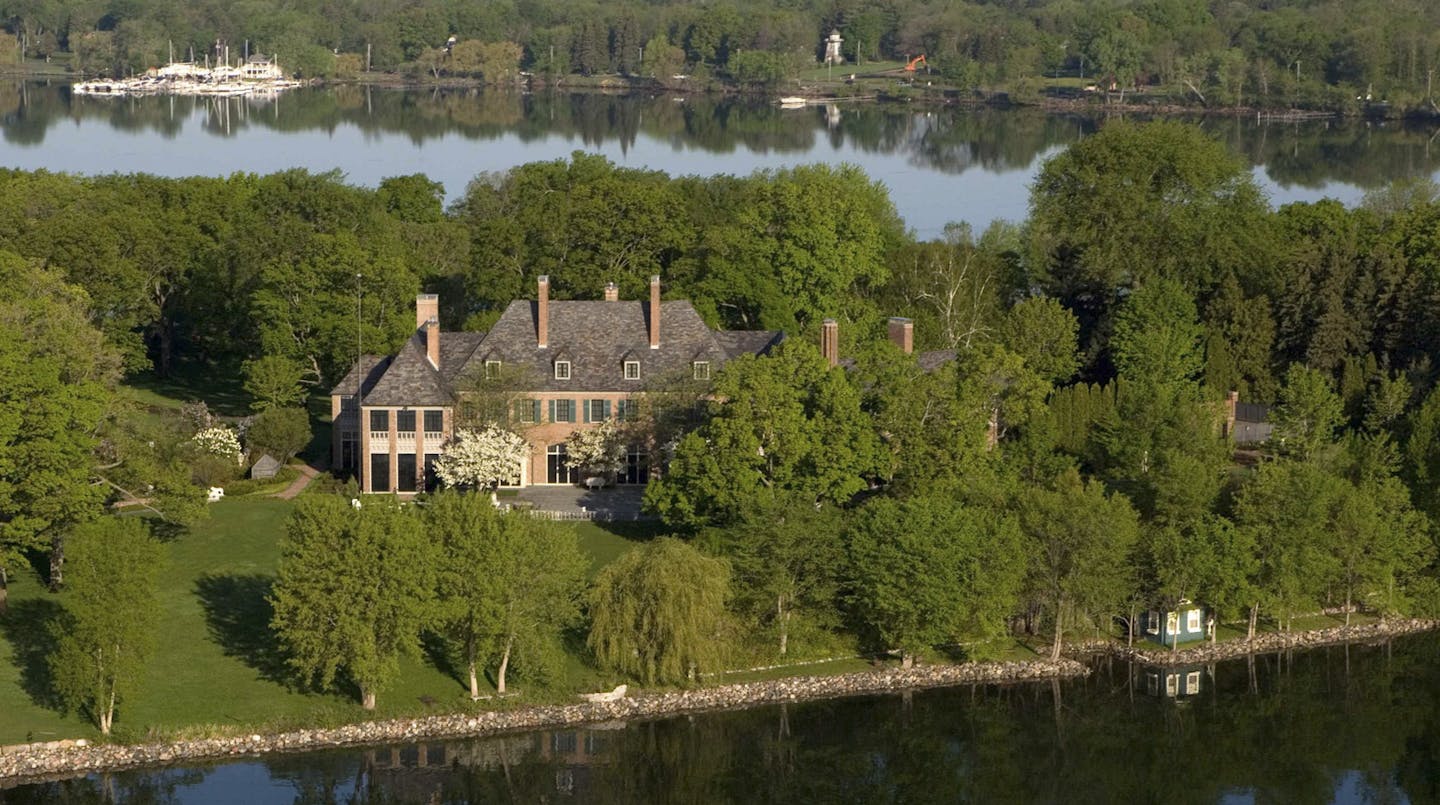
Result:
[220,387]
[605,542]
[217,664]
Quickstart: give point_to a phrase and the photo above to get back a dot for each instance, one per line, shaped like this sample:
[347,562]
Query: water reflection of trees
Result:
[1308,153]
[1285,728]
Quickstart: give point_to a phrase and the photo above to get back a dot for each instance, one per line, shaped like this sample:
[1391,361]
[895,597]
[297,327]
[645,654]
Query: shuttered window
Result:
[562,410]
[597,410]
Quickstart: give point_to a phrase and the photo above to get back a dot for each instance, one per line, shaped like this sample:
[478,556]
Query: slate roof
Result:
[934,359]
[597,337]
[411,379]
[373,366]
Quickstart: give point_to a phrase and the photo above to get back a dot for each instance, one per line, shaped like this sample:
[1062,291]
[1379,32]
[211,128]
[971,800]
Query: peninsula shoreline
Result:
[30,763]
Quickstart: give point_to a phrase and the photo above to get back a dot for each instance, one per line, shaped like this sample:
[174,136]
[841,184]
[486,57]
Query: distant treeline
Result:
[1333,53]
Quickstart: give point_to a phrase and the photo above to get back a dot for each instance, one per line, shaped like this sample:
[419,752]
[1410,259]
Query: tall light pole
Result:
[359,375]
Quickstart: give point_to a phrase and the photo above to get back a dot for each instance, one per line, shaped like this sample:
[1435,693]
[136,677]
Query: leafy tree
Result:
[486,457]
[281,432]
[111,609]
[1079,540]
[929,570]
[1308,413]
[785,421]
[353,591]
[274,382]
[508,584]
[658,612]
[1136,202]
[1422,455]
[915,413]
[952,286]
[788,560]
[1157,340]
[57,372]
[1045,335]
[1287,506]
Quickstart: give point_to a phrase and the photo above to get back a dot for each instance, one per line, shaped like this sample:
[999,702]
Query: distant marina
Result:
[256,75]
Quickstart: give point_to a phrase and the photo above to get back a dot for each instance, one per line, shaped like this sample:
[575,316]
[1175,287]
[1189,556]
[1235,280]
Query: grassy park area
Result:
[216,663]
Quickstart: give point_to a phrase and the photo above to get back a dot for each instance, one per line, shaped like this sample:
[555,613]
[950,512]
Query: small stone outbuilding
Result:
[265,467]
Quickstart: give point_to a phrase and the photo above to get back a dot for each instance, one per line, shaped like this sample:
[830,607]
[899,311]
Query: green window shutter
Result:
[605,406]
[572,410]
[585,404]
[552,411]
[535,407]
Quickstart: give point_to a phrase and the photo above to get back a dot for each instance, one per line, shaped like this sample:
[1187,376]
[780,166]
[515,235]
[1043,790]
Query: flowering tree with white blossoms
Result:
[218,441]
[597,451]
[487,457]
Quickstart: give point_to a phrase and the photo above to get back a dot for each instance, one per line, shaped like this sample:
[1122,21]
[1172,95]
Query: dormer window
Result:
[702,370]
[632,370]
[562,370]
[492,370]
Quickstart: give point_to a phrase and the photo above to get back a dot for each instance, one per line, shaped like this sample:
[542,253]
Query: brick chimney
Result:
[542,312]
[655,312]
[432,342]
[902,334]
[830,341]
[612,292]
[427,307]
[1232,401]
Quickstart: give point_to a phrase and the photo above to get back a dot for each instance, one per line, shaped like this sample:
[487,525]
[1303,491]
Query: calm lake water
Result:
[941,165]
[1345,725]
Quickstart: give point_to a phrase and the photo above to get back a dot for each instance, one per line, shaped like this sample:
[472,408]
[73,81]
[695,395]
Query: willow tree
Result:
[353,591]
[658,612]
[111,608]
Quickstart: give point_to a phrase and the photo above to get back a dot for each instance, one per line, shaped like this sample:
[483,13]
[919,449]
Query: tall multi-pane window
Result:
[702,370]
[562,370]
[405,421]
[379,420]
[434,421]
[405,472]
[632,370]
[637,465]
[556,470]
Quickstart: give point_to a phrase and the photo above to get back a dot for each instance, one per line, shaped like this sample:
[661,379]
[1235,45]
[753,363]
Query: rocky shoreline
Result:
[60,759]
[1264,643]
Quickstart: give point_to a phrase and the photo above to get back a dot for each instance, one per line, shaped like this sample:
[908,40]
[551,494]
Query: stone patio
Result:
[575,502]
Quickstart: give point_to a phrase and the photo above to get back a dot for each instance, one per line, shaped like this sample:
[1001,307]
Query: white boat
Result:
[258,75]
[793,101]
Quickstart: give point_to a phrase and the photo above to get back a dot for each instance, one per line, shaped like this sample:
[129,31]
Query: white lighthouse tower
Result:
[832,49]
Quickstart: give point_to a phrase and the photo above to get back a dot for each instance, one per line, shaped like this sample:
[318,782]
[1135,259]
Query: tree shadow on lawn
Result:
[30,626]
[435,650]
[238,612]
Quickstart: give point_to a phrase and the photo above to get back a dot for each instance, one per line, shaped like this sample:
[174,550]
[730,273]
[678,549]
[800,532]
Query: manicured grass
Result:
[217,665]
[220,387]
[606,542]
